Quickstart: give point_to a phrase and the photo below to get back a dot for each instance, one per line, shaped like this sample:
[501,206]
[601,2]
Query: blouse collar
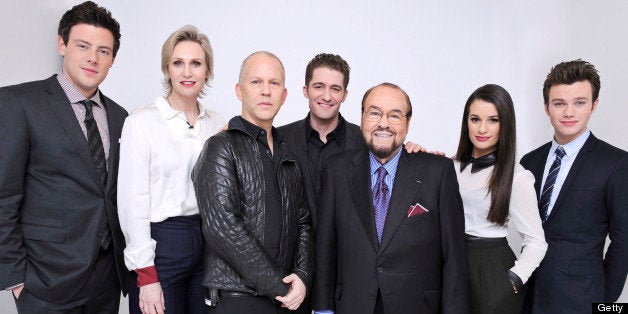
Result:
[479,163]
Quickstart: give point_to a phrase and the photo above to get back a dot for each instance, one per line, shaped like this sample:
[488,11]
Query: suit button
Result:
[372,297]
[380,270]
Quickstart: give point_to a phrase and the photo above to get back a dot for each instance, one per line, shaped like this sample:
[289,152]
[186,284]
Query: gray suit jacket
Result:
[53,207]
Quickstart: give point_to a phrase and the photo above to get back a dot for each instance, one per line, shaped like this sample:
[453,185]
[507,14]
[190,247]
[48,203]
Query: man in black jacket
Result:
[251,197]
[323,132]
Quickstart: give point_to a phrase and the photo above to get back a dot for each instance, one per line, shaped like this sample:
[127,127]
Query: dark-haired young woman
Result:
[496,191]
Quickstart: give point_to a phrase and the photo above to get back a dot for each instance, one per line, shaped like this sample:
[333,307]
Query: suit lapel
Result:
[299,138]
[407,184]
[115,122]
[539,167]
[573,172]
[359,181]
[60,105]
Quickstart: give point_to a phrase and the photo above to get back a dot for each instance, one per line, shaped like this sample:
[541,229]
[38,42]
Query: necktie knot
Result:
[88,104]
[381,173]
[560,152]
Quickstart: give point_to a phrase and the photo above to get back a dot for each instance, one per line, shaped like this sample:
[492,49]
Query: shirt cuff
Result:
[324,312]
[146,276]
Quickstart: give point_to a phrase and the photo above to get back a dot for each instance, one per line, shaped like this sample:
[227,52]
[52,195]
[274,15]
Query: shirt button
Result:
[263,132]
[380,270]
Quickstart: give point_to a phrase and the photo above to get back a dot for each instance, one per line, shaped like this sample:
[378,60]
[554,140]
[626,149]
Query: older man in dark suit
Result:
[391,227]
[582,185]
[60,240]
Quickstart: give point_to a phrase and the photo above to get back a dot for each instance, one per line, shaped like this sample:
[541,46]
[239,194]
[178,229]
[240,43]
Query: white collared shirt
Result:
[571,152]
[158,151]
[523,213]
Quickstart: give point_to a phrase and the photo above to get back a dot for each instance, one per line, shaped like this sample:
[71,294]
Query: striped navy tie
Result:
[546,195]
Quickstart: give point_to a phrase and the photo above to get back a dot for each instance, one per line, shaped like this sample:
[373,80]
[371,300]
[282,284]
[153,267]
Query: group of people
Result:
[188,215]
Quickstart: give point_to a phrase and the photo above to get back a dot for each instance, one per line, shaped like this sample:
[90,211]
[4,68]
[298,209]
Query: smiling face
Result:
[187,70]
[325,93]
[483,123]
[383,136]
[569,110]
[261,89]
[87,57]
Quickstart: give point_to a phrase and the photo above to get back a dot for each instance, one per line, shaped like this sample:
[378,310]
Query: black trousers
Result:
[247,305]
[490,289]
[103,299]
[179,263]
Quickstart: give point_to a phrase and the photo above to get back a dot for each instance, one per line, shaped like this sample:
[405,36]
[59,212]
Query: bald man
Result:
[252,202]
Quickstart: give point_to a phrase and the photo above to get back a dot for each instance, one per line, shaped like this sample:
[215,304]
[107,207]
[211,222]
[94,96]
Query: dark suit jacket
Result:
[420,265]
[294,135]
[53,207]
[592,203]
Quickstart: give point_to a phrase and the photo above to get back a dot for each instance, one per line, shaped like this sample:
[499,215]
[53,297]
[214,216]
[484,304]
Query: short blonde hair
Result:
[186,33]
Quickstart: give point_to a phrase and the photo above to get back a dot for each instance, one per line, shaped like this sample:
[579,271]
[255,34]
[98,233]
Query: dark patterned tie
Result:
[380,201]
[546,195]
[98,154]
[94,140]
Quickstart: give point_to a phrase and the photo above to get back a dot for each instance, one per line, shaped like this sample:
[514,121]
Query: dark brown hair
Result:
[571,72]
[89,13]
[328,60]
[500,181]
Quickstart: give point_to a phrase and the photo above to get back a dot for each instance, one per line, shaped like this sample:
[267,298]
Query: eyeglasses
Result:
[394,117]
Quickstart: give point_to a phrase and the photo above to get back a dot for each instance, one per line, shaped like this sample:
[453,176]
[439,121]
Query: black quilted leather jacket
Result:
[229,183]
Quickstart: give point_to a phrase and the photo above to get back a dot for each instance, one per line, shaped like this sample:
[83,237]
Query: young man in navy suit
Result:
[582,184]
[60,239]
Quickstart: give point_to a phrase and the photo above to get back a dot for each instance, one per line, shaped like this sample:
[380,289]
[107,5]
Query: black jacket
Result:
[229,183]
[296,138]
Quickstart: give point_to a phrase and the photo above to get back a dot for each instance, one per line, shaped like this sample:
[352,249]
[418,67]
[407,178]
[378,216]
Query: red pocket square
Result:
[416,209]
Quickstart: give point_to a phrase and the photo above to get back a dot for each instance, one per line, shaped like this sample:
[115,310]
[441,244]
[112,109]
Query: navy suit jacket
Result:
[53,206]
[420,266]
[592,203]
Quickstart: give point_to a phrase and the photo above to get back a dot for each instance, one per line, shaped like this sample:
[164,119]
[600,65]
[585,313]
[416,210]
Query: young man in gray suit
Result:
[60,240]
[582,185]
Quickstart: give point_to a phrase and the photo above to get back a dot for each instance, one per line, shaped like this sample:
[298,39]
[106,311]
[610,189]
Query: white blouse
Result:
[158,151]
[523,211]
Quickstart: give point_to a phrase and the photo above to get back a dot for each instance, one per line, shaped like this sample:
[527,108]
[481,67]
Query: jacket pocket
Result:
[432,299]
[43,233]
[417,218]
[338,292]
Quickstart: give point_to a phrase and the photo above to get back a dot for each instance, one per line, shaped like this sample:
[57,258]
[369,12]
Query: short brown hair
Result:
[571,72]
[186,33]
[328,60]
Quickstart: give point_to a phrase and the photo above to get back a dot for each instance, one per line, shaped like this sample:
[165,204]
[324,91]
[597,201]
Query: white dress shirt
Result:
[158,151]
[523,211]
[571,152]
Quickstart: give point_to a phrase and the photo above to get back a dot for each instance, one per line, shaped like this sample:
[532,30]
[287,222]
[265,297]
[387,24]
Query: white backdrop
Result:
[438,51]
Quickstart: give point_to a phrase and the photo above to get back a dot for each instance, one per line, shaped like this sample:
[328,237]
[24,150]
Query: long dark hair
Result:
[500,181]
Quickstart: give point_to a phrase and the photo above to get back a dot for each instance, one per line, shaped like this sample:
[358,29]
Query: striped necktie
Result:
[94,140]
[546,195]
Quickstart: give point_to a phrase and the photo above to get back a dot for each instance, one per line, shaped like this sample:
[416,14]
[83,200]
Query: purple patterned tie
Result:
[380,201]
